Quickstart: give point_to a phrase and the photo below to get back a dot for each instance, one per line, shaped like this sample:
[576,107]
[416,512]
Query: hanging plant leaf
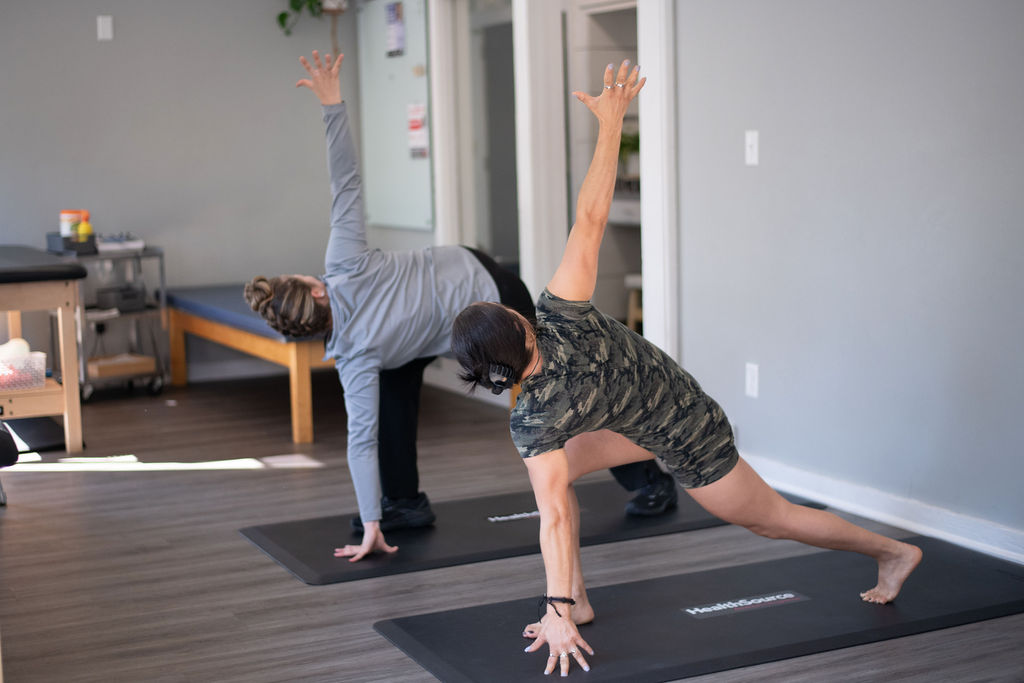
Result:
[286,20]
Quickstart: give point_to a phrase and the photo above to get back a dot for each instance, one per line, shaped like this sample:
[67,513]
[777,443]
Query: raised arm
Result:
[576,275]
[348,225]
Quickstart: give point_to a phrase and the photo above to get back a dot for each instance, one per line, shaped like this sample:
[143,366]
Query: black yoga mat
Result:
[471,530]
[691,624]
[38,433]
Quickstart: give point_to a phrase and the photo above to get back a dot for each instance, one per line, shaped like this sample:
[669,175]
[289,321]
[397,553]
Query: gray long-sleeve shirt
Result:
[387,308]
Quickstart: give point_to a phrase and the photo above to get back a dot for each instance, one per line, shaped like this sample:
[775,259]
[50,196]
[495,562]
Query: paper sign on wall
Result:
[395,30]
[418,141]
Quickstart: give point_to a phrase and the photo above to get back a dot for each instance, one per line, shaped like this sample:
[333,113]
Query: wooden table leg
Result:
[179,363]
[301,385]
[13,324]
[513,395]
[68,349]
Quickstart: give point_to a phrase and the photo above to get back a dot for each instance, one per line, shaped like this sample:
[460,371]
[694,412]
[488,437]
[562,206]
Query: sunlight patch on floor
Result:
[32,462]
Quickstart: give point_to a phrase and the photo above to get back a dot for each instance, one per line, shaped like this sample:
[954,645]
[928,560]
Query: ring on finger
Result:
[563,655]
[552,656]
[607,87]
[573,651]
[620,85]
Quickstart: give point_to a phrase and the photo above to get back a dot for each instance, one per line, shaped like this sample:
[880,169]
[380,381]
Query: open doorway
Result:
[559,47]
[496,215]
[596,38]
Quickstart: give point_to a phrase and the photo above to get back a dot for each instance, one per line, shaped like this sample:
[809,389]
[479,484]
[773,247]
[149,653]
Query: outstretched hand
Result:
[619,90]
[373,541]
[564,644]
[323,80]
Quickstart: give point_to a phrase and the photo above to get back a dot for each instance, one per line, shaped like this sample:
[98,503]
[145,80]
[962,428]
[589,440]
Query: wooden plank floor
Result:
[143,576]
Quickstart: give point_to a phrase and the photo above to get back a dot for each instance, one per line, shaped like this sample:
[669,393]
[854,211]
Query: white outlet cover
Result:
[752,380]
[104,27]
[751,148]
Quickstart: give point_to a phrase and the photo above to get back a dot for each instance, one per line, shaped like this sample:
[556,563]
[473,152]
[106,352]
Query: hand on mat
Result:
[323,80]
[373,541]
[619,90]
[564,643]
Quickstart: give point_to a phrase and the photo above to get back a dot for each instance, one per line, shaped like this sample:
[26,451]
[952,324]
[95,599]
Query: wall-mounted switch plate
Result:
[751,148]
[752,380]
[104,27]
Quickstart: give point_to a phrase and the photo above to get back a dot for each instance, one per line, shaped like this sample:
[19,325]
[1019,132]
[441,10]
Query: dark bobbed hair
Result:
[287,304]
[487,333]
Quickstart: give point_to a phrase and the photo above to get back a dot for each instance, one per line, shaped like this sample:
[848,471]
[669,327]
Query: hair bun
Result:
[258,293]
[287,305]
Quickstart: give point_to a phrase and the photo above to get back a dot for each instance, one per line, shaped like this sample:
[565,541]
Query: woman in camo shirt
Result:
[595,395]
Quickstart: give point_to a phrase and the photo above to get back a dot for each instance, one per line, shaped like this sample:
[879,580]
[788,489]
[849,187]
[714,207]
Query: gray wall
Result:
[186,129]
[873,264]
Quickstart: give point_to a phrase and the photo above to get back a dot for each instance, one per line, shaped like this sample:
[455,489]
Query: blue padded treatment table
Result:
[31,280]
[673,627]
[220,314]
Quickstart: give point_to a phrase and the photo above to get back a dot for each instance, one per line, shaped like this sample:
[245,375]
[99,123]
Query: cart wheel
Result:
[86,392]
[156,385]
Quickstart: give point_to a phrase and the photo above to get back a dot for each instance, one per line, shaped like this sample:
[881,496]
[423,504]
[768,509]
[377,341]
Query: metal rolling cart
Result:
[115,298]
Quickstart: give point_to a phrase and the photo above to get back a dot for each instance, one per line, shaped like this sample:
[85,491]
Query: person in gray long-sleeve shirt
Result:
[386,316]
[415,296]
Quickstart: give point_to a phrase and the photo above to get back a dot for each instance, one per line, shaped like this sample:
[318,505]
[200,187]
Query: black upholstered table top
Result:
[27,264]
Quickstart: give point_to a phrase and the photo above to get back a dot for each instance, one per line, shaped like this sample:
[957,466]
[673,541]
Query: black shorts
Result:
[511,290]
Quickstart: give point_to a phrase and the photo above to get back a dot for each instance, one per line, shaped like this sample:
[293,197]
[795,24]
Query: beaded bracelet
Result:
[546,600]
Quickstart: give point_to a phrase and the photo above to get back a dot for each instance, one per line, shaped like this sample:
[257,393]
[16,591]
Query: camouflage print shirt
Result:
[598,374]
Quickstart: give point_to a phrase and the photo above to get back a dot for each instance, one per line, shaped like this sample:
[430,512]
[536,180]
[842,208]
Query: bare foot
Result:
[582,613]
[893,570]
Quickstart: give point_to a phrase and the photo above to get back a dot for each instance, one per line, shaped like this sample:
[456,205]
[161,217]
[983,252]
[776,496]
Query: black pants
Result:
[397,424]
[636,475]
[511,290]
[400,395]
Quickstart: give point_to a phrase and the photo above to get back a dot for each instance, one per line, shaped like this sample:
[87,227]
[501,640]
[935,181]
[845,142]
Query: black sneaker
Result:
[401,513]
[655,499]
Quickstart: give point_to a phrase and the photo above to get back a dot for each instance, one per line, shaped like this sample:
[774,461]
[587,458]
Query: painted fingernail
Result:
[626,62]
[586,668]
[609,67]
[527,649]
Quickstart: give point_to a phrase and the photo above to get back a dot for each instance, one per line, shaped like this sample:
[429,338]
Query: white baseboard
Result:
[975,533]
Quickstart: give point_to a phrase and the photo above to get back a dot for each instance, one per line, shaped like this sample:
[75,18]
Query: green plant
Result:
[629,144]
[286,20]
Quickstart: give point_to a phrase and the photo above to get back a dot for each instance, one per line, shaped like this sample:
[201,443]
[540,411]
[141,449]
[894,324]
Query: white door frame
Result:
[447,46]
[659,176]
[541,163]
